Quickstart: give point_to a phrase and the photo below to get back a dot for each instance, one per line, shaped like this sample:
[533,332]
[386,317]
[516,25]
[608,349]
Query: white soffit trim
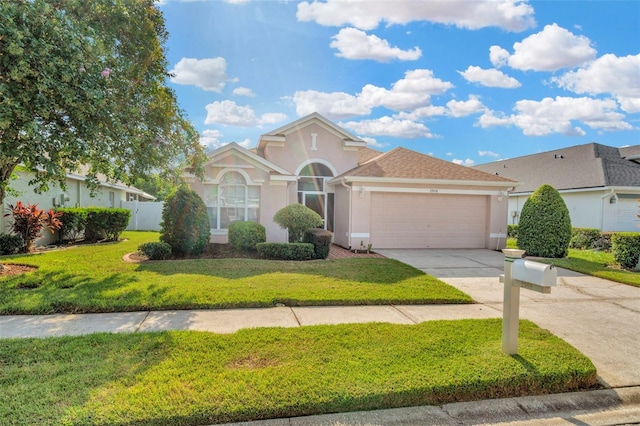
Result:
[434,191]
[366,179]
[219,154]
[284,178]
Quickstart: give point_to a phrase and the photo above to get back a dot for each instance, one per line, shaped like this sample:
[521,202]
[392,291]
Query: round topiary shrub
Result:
[185,223]
[297,218]
[245,235]
[545,225]
[155,250]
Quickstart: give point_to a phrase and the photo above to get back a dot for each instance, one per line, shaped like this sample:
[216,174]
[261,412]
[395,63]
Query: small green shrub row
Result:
[97,223]
[584,238]
[74,221]
[321,240]
[286,251]
[512,231]
[10,243]
[246,235]
[625,247]
[155,250]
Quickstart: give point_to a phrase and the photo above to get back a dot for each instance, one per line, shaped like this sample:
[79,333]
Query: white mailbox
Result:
[534,276]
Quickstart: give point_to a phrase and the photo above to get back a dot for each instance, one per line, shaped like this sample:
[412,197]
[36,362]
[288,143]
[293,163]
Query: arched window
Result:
[231,200]
[313,191]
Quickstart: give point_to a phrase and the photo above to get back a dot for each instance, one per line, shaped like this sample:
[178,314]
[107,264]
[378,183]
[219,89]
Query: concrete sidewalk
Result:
[230,320]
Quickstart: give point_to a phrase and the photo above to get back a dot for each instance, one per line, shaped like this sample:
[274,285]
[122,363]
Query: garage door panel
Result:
[428,220]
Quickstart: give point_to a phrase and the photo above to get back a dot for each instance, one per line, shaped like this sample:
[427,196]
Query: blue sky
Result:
[465,81]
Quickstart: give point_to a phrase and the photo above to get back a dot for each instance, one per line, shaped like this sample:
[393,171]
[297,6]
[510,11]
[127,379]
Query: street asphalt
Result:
[598,317]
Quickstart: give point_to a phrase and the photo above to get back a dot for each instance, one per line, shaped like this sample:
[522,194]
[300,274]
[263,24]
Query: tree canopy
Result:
[84,84]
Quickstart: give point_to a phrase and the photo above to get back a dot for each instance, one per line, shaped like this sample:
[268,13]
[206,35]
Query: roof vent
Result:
[558,156]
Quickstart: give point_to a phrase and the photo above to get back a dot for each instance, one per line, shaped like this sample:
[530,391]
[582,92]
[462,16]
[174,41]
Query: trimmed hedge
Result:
[155,250]
[74,222]
[286,251]
[296,219]
[545,225]
[245,235]
[321,240]
[625,247]
[604,242]
[512,231]
[10,243]
[104,223]
[584,238]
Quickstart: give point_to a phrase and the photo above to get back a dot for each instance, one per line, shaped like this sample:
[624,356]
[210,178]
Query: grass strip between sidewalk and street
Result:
[94,278]
[193,378]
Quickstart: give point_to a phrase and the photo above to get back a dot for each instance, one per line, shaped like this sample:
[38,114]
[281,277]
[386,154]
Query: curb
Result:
[599,407]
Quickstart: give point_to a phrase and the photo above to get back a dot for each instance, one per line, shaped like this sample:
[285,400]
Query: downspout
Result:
[609,194]
[342,182]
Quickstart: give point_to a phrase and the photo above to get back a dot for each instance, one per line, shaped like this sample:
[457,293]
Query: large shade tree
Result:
[83,83]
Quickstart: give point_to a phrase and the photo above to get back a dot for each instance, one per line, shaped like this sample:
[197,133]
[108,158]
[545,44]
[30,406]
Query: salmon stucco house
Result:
[396,199]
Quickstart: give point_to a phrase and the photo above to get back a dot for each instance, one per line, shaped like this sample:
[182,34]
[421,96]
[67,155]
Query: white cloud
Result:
[244,91]
[498,56]
[609,74]
[245,143]
[388,126]
[488,154]
[355,44]
[489,78]
[551,49]
[411,92]
[207,74]
[512,15]
[468,162]
[335,105]
[373,143]
[230,114]
[423,112]
[465,108]
[560,115]
[210,139]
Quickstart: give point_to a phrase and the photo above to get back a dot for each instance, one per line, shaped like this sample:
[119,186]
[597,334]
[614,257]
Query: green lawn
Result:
[96,279]
[193,378]
[596,263]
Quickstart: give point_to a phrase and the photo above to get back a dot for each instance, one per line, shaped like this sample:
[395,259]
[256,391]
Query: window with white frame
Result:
[232,200]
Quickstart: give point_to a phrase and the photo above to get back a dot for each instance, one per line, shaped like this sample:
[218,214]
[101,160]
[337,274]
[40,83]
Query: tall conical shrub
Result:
[544,229]
[185,224]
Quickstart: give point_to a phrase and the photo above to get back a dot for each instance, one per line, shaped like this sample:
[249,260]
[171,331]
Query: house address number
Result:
[433,191]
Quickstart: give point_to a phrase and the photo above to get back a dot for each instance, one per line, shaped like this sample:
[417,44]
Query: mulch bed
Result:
[9,269]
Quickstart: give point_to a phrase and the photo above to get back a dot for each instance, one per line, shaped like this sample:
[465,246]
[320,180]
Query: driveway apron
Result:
[598,317]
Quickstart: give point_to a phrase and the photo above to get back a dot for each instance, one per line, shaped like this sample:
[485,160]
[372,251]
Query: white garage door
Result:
[428,220]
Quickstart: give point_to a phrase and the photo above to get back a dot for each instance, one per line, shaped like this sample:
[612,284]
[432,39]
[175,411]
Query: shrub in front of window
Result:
[545,225]
[10,243]
[185,224]
[625,247]
[245,235]
[104,223]
[74,221]
[296,219]
[584,238]
[321,240]
[285,251]
[156,250]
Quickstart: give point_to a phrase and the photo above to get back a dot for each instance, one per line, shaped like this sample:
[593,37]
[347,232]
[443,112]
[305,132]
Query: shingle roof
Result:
[365,154]
[583,166]
[405,163]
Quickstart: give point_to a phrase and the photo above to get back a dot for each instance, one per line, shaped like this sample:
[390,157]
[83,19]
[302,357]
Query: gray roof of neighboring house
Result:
[583,166]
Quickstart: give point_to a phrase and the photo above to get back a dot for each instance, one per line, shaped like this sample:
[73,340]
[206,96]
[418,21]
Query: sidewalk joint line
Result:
[295,316]
[404,315]
[142,322]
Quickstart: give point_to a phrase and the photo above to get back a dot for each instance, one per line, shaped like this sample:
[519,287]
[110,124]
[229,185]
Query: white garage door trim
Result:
[428,220]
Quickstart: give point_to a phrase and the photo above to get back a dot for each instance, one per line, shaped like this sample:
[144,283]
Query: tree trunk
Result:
[7,166]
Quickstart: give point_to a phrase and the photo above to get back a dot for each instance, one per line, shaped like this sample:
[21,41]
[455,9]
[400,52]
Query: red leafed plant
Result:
[29,220]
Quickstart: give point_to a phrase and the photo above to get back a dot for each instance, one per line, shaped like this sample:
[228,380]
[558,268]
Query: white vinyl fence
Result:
[145,216]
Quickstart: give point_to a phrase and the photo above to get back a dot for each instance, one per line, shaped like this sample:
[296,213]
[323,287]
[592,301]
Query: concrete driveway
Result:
[601,318]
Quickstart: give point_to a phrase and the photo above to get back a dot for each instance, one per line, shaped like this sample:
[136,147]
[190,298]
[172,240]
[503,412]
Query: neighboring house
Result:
[599,184]
[76,195]
[397,199]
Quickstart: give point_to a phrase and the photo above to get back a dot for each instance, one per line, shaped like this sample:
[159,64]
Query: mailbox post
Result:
[526,274]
